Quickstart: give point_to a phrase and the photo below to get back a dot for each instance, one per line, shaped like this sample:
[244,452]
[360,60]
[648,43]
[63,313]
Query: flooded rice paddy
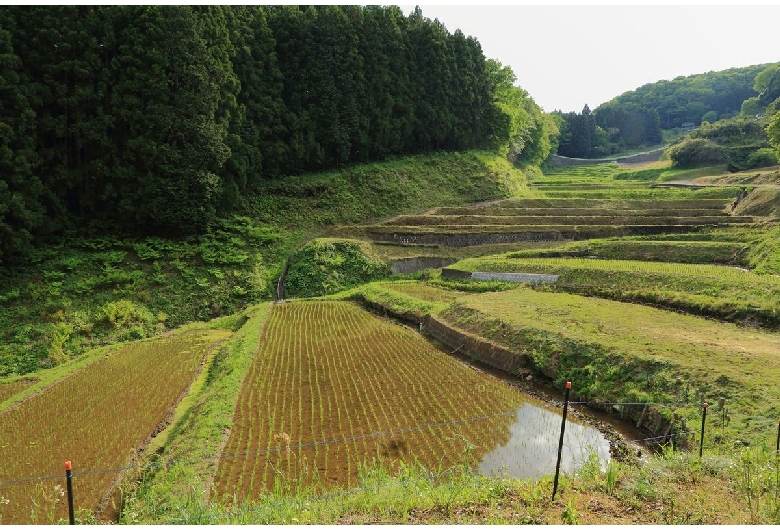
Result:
[334,389]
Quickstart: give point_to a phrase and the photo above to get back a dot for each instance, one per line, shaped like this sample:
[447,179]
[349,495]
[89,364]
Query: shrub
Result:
[124,314]
[762,158]
[326,266]
[696,152]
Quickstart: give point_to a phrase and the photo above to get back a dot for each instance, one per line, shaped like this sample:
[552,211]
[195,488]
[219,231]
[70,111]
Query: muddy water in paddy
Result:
[532,449]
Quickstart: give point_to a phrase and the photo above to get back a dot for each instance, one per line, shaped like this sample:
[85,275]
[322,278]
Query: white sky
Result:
[568,55]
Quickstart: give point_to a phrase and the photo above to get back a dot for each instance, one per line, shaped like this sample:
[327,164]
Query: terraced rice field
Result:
[96,418]
[551,219]
[328,377]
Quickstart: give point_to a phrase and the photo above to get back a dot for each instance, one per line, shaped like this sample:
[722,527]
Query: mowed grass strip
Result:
[327,377]
[590,211]
[96,418]
[701,252]
[721,359]
[422,291]
[654,199]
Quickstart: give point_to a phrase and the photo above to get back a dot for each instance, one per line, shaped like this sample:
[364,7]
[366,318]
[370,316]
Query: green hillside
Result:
[85,292]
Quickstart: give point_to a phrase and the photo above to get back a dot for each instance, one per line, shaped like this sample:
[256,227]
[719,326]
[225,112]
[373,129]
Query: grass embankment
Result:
[613,351]
[718,291]
[675,488]
[198,434]
[607,181]
[84,292]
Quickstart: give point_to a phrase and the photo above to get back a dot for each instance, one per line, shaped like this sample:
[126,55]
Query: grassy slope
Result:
[82,293]
[662,356]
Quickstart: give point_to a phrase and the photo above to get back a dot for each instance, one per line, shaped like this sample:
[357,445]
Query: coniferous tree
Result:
[431,74]
[169,134]
[21,212]
[64,52]
[257,135]
[386,103]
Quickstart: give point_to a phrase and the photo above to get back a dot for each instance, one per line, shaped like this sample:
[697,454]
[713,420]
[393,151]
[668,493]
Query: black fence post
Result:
[560,442]
[69,483]
[703,419]
[777,448]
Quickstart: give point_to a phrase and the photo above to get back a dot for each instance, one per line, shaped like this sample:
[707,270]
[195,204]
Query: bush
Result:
[762,158]
[326,266]
[696,152]
[124,314]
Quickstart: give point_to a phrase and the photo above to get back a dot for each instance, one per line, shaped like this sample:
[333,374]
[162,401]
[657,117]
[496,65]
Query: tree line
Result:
[638,117]
[158,119]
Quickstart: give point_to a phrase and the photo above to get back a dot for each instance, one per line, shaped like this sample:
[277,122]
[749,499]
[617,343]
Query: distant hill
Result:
[635,120]
[688,100]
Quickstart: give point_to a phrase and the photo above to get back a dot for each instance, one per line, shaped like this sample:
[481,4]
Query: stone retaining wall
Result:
[467,240]
[474,346]
[412,265]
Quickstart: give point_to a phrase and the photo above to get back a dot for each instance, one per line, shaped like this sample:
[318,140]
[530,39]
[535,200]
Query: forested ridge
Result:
[157,120]
[695,98]
[639,118]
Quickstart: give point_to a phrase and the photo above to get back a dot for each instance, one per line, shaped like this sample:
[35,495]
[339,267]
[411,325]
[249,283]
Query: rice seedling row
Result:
[8,390]
[349,376]
[96,418]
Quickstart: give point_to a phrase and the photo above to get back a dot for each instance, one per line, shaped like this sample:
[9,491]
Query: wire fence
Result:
[341,440]
[297,501]
[346,439]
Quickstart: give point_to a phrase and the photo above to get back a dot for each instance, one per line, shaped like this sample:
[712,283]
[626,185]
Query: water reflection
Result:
[532,448]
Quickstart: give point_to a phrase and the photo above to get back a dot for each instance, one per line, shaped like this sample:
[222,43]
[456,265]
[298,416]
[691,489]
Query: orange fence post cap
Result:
[568,384]
[68,466]
[704,405]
